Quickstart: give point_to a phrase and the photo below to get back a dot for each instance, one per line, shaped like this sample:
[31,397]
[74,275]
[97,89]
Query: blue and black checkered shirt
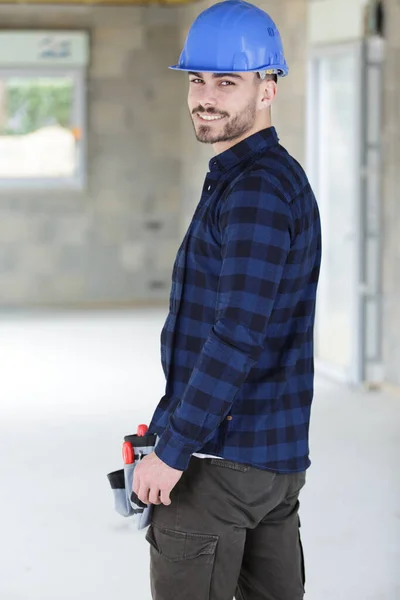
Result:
[237,346]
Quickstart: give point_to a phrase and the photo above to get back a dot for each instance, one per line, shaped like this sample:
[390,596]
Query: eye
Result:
[226,83]
[196,81]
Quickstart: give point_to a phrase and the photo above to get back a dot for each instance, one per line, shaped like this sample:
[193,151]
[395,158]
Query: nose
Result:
[209,102]
[207,96]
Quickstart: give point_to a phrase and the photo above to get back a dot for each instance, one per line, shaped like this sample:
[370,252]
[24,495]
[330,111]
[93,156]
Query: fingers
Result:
[165,499]
[139,488]
[154,497]
[143,494]
[135,484]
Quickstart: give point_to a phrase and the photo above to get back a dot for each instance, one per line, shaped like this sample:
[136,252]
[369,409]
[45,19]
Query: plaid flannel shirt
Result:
[237,345]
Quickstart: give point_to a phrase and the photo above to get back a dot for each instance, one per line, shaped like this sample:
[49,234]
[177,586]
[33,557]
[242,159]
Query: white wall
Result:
[333,21]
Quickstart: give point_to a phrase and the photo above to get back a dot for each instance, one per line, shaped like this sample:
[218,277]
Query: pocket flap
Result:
[176,545]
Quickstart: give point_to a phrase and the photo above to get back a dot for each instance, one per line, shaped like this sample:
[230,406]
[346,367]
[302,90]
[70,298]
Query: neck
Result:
[220,147]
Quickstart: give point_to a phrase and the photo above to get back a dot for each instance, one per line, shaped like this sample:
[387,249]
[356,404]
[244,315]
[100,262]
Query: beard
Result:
[234,127]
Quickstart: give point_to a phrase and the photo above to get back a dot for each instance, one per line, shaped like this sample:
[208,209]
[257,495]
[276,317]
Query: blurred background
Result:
[100,174]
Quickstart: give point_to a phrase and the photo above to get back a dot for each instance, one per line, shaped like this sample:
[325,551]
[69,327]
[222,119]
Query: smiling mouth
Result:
[209,118]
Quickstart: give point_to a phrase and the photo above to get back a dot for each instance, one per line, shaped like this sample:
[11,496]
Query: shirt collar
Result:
[254,143]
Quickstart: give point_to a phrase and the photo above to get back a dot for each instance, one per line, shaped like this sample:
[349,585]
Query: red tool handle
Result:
[128,453]
[142,430]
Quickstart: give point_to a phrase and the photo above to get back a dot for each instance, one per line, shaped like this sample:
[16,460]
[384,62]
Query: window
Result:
[42,125]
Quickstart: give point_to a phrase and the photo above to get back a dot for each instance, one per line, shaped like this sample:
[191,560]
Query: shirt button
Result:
[209,187]
[229,418]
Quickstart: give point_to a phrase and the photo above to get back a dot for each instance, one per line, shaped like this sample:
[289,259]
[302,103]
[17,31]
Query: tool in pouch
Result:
[127,504]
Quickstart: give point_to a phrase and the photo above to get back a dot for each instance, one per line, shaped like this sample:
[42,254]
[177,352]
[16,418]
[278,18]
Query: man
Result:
[237,346]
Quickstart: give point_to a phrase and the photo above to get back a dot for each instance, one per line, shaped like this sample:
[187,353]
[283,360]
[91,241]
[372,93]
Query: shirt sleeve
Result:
[256,225]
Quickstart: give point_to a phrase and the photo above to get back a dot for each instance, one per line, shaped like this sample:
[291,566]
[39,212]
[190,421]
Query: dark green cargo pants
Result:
[230,531]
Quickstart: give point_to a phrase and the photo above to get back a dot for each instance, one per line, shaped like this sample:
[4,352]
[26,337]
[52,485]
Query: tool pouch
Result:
[126,502]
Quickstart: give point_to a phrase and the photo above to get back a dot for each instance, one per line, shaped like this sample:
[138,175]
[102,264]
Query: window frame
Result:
[78,180]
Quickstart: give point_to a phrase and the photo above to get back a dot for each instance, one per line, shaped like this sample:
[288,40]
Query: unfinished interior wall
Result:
[113,242]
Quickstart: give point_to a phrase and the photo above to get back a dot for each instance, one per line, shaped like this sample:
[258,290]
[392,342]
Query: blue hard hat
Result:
[233,36]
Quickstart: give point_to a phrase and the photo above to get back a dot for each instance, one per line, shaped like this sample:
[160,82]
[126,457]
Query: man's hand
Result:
[153,480]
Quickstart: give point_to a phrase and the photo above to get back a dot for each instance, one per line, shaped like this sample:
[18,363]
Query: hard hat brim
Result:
[282,71]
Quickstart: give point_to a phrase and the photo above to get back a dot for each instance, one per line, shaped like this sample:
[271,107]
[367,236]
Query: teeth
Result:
[209,117]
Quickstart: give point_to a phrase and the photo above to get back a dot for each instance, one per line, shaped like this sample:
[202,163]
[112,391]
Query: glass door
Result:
[334,141]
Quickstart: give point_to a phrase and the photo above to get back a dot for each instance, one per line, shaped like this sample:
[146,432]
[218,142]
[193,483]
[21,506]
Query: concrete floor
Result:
[73,385]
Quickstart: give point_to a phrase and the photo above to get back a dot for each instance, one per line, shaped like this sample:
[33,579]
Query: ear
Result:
[268,90]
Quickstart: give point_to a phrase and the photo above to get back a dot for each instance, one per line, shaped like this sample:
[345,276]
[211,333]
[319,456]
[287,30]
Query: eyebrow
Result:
[217,75]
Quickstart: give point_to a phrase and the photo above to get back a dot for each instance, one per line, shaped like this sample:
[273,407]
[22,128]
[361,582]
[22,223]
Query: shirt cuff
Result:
[173,451]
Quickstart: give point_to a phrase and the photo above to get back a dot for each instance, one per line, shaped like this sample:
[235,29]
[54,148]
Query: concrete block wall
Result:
[391,195]
[115,242]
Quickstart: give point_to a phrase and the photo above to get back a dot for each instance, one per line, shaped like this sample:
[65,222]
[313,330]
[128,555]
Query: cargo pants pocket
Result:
[181,564]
